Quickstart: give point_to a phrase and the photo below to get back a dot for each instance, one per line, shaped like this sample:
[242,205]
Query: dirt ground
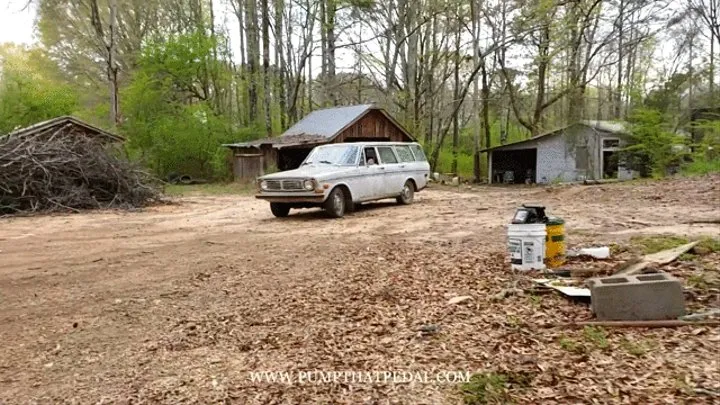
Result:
[179,303]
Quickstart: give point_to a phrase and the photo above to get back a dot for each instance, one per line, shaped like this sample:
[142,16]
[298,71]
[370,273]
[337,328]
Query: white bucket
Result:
[526,243]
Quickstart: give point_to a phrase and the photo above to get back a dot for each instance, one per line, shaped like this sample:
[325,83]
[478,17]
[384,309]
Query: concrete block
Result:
[642,297]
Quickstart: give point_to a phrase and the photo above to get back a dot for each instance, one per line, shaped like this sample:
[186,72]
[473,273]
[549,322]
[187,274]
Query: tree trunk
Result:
[323,50]
[241,22]
[266,65]
[431,56]
[253,57]
[290,70]
[330,54]
[576,97]
[486,106]
[691,82]
[309,83]
[113,67]
[712,70]
[475,16]
[456,95]
[544,61]
[280,62]
[618,90]
[110,48]
[358,63]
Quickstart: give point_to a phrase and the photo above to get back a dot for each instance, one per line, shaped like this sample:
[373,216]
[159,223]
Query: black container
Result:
[530,214]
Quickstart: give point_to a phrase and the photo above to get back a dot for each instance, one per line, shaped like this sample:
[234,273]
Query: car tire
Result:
[335,204]
[280,210]
[408,194]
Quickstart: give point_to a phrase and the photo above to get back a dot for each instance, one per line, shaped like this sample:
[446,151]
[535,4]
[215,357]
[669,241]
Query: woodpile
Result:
[64,167]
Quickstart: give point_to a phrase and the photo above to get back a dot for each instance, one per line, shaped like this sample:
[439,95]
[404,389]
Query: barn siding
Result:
[373,125]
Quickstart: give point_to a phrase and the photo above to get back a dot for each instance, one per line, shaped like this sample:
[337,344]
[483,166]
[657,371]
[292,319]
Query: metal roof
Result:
[612,127]
[320,126]
[328,122]
[61,121]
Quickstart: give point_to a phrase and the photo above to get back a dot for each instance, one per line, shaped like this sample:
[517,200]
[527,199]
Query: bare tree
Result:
[709,13]
[267,92]
[253,47]
[109,42]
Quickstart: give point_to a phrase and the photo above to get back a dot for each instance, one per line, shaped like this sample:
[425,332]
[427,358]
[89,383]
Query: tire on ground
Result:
[336,203]
[408,193]
[280,210]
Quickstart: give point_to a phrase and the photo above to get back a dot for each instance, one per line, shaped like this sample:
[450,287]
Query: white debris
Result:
[459,299]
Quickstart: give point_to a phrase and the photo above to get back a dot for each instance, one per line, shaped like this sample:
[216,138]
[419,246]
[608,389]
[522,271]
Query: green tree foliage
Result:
[706,153]
[667,99]
[653,149]
[171,116]
[30,90]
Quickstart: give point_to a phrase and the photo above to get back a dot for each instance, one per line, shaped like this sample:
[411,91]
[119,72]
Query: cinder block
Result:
[634,298]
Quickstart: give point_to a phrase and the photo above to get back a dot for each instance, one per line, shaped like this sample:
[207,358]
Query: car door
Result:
[421,165]
[409,168]
[393,178]
[371,175]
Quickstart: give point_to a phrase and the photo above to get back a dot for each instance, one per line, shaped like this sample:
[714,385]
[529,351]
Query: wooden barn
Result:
[331,125]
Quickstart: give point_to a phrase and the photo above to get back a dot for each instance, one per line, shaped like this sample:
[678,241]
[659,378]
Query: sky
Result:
[16,21]
[17,24]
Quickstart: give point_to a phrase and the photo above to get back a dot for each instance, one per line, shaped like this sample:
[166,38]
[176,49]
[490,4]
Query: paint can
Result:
[526,244]
[555,242]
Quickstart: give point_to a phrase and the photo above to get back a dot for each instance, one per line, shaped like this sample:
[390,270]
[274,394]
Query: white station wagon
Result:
[337,176]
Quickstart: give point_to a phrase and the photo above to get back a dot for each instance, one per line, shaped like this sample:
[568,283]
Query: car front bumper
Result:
[292,198]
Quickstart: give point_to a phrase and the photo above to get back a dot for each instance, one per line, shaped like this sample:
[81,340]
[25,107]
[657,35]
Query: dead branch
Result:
[68,170]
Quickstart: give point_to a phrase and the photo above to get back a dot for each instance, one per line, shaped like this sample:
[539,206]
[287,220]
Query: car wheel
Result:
[335,203]
[408,193]
[280,210]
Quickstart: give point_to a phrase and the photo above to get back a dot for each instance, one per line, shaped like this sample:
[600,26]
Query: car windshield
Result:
[343,155]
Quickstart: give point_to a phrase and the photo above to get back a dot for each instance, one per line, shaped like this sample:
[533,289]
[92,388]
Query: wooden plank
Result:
[659,258]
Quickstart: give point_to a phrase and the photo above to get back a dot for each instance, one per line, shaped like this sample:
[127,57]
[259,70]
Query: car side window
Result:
[418,152]
[404,153]
[386,154]
[370,156]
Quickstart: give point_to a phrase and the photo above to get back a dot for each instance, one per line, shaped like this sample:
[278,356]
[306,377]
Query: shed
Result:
[584,150]
[354,123]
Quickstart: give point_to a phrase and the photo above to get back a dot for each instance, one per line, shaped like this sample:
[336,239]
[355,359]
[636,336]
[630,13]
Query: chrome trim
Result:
[285,185]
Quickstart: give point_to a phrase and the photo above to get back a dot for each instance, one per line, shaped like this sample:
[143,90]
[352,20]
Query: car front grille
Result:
[284,185]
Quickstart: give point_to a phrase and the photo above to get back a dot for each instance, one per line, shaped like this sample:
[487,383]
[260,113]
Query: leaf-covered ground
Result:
[180,304]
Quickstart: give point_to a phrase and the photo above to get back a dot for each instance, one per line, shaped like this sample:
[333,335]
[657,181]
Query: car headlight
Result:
[263,185]
[309,185]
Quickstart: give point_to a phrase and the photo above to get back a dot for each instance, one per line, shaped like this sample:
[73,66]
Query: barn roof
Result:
[320,126]
[328,122]
[612,127]
[61,122]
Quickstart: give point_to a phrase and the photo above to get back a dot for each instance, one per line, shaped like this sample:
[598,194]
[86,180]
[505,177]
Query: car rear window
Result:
[404,153]
[419,154]
[386,154]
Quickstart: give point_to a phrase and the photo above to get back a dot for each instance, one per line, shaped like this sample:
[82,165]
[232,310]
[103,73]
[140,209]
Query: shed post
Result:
[490,170]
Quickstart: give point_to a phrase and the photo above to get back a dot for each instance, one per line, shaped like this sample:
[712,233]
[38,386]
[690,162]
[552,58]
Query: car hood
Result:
[319,171]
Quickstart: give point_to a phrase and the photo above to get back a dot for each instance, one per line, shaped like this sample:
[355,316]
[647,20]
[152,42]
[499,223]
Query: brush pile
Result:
[66,169]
